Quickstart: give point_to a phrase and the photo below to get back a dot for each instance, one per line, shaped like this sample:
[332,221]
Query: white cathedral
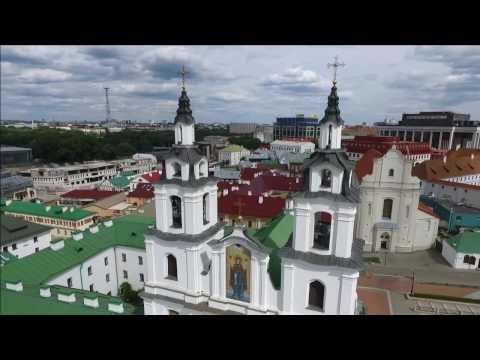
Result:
[196,265]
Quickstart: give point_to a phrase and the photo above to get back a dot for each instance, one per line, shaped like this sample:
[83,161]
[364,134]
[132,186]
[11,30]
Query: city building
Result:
[232,154]
[457,166]
[195,265]
[14,155]
[121,182]
[22,238]
[140,195]
[457,193]
[440,130]
[462,251]
[65,178]
[62,219]
[16,187]
[242,128]
[359,130]
[292,146]
[359,145]
[88,268]
[453,216]
[138,163]
[109,207]
[390,216]
[299,126]
[264,133]
[147,178]
[210,146]
[84,197]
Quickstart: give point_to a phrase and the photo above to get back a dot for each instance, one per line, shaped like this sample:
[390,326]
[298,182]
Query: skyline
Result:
[236,83]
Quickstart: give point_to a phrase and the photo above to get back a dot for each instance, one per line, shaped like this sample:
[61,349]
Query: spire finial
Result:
[183,73]
[335,66]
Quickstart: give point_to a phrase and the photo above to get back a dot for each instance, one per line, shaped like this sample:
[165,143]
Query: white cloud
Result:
[43,76]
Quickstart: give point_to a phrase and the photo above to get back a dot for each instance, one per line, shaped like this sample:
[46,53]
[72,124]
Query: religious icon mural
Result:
[238,273]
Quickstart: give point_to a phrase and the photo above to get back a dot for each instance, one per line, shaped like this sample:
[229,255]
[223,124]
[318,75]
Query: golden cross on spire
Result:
[183,74]
[335,66]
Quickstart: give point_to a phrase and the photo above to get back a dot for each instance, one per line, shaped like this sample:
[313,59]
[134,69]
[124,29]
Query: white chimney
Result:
[94,229]
[47,209]
[108,223]
[66,296]
[225,192]
[45,291]
[445,159]
[297,180]
[14,285]
[115,307]
[8,202]
[260,199]
[472,156]
[91,300]
[78,236]
[64,209]
[249,193]
[57,245]
[72,209]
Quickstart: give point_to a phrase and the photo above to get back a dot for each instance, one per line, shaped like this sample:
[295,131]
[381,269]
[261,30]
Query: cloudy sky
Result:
[236,83]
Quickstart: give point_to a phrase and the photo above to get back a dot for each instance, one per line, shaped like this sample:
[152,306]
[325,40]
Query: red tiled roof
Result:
[244,205]
[360,144]
[263,183]
[457,163]
[364,166]
[142,191]
[88,194]
[152,177]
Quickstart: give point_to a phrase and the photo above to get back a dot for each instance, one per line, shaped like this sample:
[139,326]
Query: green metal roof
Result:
[12,229]
[29,302]
[234,148]
[467,242]
[127,173]
[274,235]
[43,265]
[38,209]
[120,182]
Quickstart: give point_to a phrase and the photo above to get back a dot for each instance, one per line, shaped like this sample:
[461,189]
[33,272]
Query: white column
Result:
[347,294]
[263,282]
[421,136]
[440,140]
[287,287]
[215,274]
[301,230]
[150,260]
[431,136]
[450,141]
[193,270]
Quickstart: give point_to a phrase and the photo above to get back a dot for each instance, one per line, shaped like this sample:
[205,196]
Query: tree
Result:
[127,294]
[248,142]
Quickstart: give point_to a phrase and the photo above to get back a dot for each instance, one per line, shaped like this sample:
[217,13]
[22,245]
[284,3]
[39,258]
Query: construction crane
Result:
[107,105]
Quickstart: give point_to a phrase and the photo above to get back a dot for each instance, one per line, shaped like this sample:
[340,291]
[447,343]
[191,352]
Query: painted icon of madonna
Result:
[238,273]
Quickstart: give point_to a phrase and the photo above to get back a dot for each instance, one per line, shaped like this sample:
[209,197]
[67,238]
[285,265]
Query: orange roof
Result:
[426,209]
[364,166]
[455,163]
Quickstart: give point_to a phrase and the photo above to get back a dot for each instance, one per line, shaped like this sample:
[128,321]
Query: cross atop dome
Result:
[183,73]
[335,66]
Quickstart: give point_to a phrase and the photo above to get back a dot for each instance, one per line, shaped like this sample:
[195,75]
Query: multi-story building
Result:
[65,178]
[16,187]
[242,128]
[440,130]
[232,154]
[22,238]
[211,145]
[264,133]
[462,251]
[359,145]
[138,163]
[63,219]
[299,126]
[292,146]
[14,155]
[84,197]
[390,217]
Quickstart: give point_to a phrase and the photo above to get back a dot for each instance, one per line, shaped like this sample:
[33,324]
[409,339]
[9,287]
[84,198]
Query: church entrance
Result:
[385,241]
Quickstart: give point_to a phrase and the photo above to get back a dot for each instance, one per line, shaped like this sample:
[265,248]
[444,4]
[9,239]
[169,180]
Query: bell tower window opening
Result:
[172,267]
[322,230]
[176,212]
[326,178]
[316,296]
[177,170]
[329,146]
[180,134]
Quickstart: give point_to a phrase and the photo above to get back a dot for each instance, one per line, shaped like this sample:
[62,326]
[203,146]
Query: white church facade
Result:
[390,218]
[196,265]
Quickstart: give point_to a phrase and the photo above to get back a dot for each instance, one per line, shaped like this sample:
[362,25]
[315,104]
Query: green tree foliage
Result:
[127,294]
[248,142]
[59,146]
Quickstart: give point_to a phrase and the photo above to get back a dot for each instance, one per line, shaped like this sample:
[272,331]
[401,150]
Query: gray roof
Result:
[13,229]
[7,148]
[191,183]
[184,113]
[351,196]
[211,231]
[10,184]
[332,112]
[190,154]
[354,262]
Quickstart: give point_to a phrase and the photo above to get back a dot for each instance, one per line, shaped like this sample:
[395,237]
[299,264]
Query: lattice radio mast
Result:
[107,105]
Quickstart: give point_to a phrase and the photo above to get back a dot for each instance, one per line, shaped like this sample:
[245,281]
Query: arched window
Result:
[176,211]
[321,232]
[385,241]
[387,208]
[316,295]
[326,181]
[177,170]
[181,135]
[171,267]
[390,172]
[205,209]
[202,169]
